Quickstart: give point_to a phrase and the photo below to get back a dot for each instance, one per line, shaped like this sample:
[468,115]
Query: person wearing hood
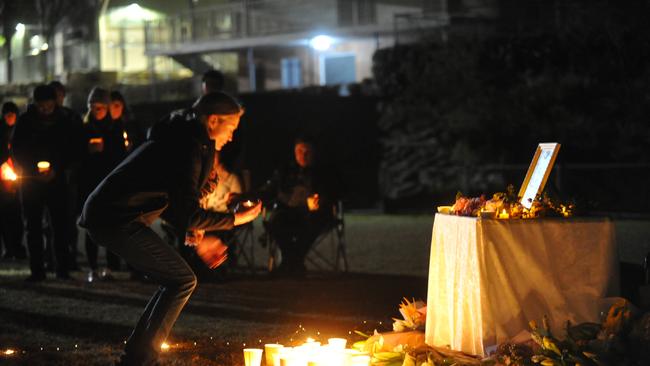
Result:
[162,179]
[107,146]
[43,151]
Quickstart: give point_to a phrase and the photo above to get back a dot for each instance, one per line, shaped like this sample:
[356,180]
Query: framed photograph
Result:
[538,172]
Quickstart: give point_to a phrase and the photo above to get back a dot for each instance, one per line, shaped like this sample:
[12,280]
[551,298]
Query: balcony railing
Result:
[261,18]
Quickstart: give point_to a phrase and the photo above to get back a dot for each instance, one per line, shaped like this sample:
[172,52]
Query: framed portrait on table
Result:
[538,172]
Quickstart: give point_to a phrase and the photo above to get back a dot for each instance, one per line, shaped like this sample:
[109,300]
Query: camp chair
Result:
[329,250]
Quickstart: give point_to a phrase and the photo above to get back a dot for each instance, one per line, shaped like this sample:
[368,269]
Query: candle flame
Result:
[164,346]
[7,172]
[9,352]
[126,139]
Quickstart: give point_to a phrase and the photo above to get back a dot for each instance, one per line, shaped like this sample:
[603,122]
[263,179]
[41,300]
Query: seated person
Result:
[306,193]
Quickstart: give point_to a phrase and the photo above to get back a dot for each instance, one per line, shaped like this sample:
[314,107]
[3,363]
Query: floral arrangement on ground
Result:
[623,338]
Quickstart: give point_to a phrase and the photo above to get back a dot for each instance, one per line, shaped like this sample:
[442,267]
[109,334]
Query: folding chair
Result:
[329,250]
[243,244]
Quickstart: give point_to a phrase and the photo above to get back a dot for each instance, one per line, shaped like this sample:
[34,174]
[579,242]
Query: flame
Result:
[9,352]
[126,139]
[7,171]
[164,346]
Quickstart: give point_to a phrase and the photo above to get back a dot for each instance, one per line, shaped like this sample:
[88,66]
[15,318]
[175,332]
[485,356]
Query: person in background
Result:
[212,81]
[305,194]
[107,146]
[162,179]
[42,148]
[71,174]
[119,113]
[11,226]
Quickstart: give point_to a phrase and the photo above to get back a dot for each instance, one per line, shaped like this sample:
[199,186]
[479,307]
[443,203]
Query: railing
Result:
[258,18]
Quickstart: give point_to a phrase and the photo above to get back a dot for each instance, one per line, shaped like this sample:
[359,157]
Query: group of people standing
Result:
[59,157]
[100,169]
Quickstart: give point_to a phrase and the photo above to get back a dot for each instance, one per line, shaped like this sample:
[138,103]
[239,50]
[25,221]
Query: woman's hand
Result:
[212,251]
[246,216]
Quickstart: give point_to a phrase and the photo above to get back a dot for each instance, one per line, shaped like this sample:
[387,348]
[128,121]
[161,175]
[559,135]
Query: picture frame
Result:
[538,172]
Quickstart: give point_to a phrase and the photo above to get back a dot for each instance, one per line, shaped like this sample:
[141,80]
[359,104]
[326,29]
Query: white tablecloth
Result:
[489,278]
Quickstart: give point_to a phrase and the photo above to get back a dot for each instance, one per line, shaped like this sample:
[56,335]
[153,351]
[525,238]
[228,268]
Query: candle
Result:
[253,356]
[43,166]
[248,203]
[337,343]
[271,350]
[164,346]
[503,214]
[363,360]
[7,172]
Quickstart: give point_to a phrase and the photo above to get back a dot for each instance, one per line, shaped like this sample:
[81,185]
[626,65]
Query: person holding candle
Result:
[11,227]
[162,178]
[119,112]
[305,193]
[106,148]
[42,134]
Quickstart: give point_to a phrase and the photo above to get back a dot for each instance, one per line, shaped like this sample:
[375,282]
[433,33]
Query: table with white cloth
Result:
[488,278]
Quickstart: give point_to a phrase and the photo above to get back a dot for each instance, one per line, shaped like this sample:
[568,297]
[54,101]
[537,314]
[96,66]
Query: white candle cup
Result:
[43,166]
[253,356]
[348,355]
[360,361]
[337,343]
[271,350]
[284,357]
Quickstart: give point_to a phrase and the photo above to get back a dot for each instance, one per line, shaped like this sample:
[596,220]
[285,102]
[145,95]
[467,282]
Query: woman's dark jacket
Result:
[161,178]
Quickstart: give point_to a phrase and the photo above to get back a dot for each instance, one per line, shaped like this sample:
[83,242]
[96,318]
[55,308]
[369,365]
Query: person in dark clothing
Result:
[212,81]
[107,146]
[305,194]
[71,174]
[119,112]
[11,226]
[162,179]
[42,150]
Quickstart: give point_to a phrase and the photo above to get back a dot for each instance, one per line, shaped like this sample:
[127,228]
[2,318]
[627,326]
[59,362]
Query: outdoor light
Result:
[321,43]
[20,30]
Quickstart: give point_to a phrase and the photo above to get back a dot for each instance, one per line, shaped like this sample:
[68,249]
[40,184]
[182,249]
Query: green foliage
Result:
[476,101]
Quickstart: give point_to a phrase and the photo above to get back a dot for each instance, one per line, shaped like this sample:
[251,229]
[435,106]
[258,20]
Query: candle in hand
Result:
[43,166]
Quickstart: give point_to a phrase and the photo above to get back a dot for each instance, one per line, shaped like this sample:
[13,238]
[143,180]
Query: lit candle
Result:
[43,166]
[271,350]
[164,346]
[503,214]
[248,203]
[363,360]
[126,139]
[253,356]
[9,352]
[7,172]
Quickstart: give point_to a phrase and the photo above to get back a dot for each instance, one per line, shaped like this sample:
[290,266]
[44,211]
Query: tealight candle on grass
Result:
[253,356]
[337,343]
[271,350]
